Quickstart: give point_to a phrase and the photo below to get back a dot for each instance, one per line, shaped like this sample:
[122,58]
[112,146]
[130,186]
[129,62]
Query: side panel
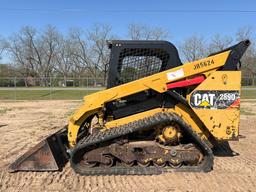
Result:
[157,82]
[216,101]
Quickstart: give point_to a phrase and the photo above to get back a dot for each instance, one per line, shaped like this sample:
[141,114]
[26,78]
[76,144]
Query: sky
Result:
[181,18]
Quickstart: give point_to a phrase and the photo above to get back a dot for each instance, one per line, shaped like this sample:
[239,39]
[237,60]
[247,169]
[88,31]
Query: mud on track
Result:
[23,124]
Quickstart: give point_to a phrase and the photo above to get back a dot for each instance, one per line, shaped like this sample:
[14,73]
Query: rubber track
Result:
[140,125]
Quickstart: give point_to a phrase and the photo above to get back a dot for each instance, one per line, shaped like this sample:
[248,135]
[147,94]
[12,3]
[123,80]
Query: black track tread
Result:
[139,125]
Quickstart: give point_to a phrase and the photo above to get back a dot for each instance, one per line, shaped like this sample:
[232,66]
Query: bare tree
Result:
[145,32]
[99,52]
[3,46]
[42,54]
[193,48]
[63,58]
[90,53]
[79,52]
[249,58]
[244,33]
[40,50]
[19,47]
[34,53]
[85,53]
[50,44]
[219,43]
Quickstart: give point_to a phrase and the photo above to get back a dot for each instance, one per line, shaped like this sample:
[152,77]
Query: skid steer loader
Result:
[157,115]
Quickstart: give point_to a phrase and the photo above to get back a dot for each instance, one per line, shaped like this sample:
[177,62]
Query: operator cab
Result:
[131,60]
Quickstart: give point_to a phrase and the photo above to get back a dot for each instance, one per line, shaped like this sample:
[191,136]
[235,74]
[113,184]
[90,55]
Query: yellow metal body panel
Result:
[190,118]
[95,102]
[222,123]
[184,112]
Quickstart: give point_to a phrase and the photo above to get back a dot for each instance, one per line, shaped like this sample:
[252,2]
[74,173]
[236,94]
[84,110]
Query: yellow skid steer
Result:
[156,115]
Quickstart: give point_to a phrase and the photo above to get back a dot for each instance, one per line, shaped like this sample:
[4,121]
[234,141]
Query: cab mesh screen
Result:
[138,63]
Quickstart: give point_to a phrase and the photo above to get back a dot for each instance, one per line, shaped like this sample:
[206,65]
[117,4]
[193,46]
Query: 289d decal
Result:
[215,99]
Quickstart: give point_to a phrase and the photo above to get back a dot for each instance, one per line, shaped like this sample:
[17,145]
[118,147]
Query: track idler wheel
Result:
[159,163]
[108,161]
[175,165]
[129,164]
[143,163]
[88,164]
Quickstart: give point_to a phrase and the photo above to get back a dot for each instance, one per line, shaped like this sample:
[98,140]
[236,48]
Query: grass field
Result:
[248,94]
[44,94]
[13,94]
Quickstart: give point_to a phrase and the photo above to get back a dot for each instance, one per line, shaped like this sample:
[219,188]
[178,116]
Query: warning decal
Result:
[175,74]
[218,99]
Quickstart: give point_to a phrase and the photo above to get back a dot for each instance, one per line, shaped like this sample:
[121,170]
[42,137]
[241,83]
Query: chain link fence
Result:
[17,82]
[30,82]
[15,88]
[246,81]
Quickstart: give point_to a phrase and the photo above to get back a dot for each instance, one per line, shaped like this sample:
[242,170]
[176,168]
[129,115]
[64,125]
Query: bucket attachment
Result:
[48,155]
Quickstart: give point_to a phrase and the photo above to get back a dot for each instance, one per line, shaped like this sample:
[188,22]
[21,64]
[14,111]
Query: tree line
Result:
[47,53]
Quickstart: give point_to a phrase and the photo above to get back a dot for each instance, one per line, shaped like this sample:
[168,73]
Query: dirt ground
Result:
[23,124]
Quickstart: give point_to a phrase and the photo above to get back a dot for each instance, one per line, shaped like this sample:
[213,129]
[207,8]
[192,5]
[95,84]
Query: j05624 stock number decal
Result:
[215,99]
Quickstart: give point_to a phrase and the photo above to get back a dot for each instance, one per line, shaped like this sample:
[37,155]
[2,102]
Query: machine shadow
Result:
[224,150]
